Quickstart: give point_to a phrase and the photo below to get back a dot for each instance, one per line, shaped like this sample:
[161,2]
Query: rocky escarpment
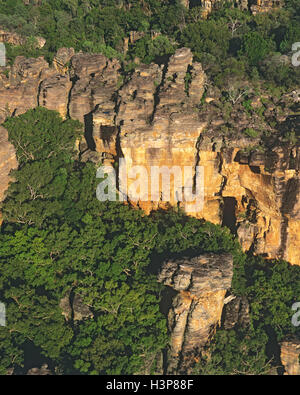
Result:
[158,115]
[15,39]
[236,312]
[200,284]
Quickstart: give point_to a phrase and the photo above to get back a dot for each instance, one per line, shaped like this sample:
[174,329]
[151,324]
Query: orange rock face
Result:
[8,161]
[153,118]
[255,195]
[266,207]
[290,351]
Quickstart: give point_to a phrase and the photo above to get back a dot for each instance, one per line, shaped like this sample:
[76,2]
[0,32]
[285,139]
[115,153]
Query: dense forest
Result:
[58,241]
[230,42]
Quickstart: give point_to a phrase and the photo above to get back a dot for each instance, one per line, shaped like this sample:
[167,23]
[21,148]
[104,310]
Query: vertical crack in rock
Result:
[156,98]
[73,80]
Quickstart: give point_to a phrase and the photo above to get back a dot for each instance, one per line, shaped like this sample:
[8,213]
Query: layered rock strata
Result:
[158,116]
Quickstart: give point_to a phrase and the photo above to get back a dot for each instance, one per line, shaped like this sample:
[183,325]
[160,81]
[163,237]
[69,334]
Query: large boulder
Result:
[200,284]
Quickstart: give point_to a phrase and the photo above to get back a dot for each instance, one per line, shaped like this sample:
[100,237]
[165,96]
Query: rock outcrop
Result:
[255,6]
[154,122]
[258,196]
[73,308]
[42,371]
[11,38]
[201,284]
[8,161]
[265,5]
[157,116]
[290,353]
[236,312]
[19,92]
[15,39]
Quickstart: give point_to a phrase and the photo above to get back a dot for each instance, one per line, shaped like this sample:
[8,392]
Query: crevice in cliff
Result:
[229,214]
[182,354]
[39,93]
[73,80]
[166,301]
[255,169]
[156,98]
[197,160]
[119,156]
[188,79]
[284,236]
[250,4]
[289,200]
[88,131]
[224,178]
[116,98]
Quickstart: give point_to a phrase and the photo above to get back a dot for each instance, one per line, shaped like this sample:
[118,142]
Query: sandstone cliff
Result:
[156,116]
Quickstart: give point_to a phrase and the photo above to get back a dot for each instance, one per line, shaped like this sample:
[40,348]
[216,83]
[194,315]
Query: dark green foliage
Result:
[273,287]
[151,50]
[207,37]
[10,350]
[101,26]
[41,134]
[59,238]
[256,48]
[236,352]
[101,263]
[45,149]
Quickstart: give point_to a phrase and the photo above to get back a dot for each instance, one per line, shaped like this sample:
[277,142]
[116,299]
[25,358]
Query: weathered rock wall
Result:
[290,352]
[154,118]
